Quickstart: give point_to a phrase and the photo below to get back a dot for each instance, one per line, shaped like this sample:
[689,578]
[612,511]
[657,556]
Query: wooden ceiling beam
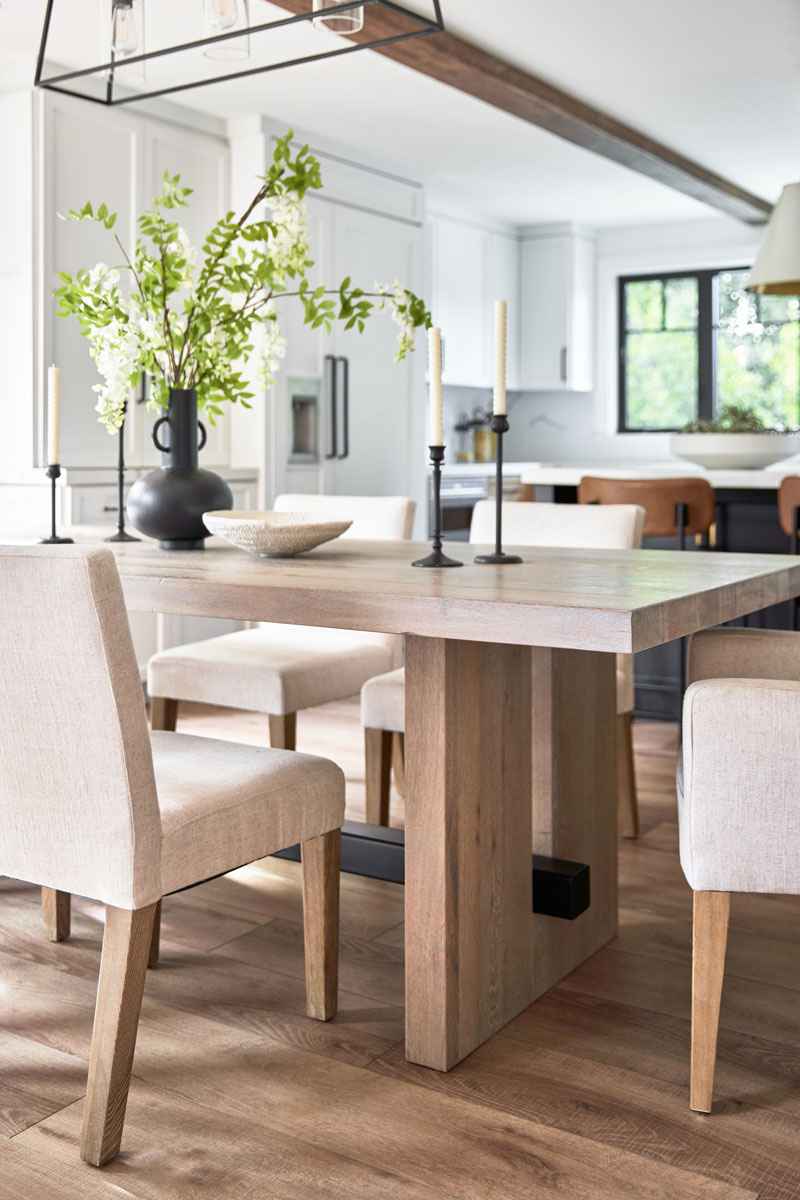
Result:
[476,72]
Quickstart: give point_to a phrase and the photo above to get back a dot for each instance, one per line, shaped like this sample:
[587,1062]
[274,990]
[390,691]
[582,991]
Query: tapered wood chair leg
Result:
[399,762]
[163,713]
[56,909]
[627,804]
[320,858]
[155,940]
[711,911]
[126,946]
[283,731]
[378,764]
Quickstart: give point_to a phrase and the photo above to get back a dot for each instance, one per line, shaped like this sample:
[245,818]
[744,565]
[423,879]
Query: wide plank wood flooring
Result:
[236,1094]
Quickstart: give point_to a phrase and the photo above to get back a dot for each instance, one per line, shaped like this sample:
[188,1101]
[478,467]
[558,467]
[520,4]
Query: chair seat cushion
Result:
[383,702]
[383,699]
[273,669]
[223,804]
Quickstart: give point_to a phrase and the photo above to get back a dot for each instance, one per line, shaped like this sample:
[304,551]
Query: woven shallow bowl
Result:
[274,534]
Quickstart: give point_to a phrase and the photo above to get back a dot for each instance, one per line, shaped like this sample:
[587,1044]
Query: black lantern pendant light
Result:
[231,29]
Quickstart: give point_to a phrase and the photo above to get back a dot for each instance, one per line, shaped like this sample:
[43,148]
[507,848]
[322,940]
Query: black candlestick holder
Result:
[499,427]
[436,558]
[53,472]
[122,534]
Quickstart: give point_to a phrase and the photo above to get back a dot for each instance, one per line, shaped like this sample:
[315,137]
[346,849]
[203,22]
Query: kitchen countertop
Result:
[569,474]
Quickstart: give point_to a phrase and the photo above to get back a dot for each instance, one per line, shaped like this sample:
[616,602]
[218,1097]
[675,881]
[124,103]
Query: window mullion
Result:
[705,346]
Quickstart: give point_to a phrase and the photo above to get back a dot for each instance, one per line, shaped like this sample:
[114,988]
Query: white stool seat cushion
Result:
[738,799]
[383,699]
[223,805]
[274,669]
[383,702]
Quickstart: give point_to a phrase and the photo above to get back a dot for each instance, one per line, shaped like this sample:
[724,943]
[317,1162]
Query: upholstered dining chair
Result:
[93,804]
[611,527]
[280,669]
[738,802]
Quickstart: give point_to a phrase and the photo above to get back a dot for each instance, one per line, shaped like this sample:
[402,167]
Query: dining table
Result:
[510,731]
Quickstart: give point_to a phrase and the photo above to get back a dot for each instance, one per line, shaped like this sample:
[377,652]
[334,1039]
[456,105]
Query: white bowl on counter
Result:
[735,451]
[274,534]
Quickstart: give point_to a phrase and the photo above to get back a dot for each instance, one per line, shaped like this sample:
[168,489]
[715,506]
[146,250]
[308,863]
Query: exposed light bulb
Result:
[124,38]
[343,22]
[221,14]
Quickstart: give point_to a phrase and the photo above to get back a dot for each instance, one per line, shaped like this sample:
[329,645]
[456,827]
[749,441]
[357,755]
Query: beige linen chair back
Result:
[382,518]
[78,806]
[576,526]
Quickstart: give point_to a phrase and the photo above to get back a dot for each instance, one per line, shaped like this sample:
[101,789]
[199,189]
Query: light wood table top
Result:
[609,600]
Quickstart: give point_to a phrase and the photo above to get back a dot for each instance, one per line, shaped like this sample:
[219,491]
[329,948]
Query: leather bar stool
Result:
[789,517]
[677,507]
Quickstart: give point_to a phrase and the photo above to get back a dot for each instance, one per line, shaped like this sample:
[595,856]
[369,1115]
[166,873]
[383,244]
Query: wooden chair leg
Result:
[399,763]
[163,713]
[378,763]
[320,858]
[711,911]
[283,731]
[155,940]
[627,804]
[56,908]
[126,945]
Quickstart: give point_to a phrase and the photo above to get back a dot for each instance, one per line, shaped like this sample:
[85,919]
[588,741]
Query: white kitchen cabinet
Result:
[461,297]
[557,312]
[370,411]
[470,268]
[375,395]
[116,157]
[505,285]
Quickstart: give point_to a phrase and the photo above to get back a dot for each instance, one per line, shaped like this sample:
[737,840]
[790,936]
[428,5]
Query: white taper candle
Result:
[500,318]
[435,386]
[53,385]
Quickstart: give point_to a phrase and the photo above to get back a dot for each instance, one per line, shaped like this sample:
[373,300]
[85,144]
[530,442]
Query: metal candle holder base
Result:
[437,558]
[122,534]
[53,472]
[499,427]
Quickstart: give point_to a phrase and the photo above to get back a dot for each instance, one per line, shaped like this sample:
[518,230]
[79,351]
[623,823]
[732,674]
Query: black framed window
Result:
[691,341]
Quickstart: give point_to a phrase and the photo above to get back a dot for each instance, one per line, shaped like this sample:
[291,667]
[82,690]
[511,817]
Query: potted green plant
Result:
[191,321]
[737,438]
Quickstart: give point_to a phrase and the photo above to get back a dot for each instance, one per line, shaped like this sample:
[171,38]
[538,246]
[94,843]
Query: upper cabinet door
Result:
[202,163]
[90,153]
[378,429]
[557,333]
[506,286]
[461,300]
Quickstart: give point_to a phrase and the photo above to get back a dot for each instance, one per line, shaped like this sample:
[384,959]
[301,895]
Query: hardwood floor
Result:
[237,1094]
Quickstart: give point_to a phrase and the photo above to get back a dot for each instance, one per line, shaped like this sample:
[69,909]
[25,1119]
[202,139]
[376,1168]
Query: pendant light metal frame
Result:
[424,27]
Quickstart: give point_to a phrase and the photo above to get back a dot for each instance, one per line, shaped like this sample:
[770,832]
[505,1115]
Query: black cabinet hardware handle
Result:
[346,398]
[563,364]
[330,358]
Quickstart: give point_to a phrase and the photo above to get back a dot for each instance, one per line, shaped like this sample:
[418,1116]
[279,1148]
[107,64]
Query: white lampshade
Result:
[776,270]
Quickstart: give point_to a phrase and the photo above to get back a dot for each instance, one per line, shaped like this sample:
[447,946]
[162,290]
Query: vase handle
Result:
[161,421]
[202,429]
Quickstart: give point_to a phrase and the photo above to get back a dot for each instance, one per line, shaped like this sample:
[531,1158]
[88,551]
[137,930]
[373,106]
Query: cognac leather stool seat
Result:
[789,517]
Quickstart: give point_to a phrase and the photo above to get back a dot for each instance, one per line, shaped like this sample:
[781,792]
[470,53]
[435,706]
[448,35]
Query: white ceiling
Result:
[717,80]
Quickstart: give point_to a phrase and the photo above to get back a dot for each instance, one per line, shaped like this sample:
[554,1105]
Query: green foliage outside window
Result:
[695,342]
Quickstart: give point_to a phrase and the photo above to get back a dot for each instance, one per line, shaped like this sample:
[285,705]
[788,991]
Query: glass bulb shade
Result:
[221,14]
[345,22]
[124,35]
[776,271]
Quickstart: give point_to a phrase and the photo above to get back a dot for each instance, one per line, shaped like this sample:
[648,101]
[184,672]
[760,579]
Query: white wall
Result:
[563,427]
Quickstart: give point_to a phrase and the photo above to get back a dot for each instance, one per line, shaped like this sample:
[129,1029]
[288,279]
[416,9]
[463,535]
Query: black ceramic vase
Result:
[168,504]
